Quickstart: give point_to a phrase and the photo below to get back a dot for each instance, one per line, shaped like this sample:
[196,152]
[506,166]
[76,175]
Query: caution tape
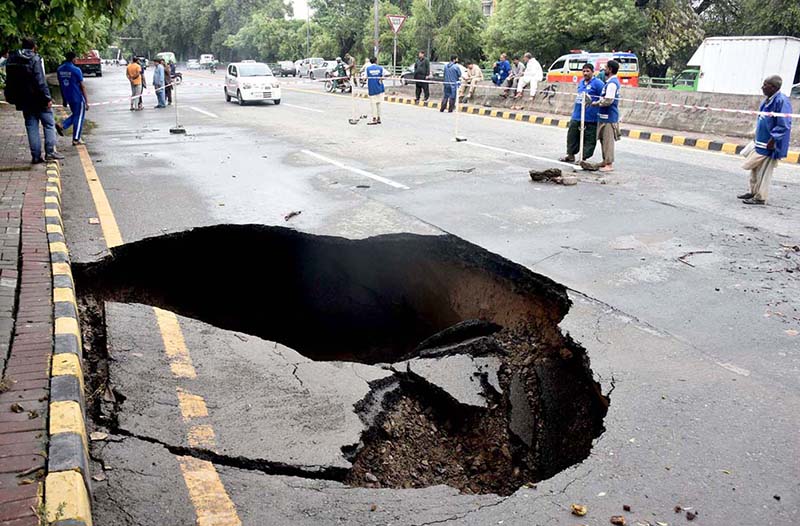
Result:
[622,99]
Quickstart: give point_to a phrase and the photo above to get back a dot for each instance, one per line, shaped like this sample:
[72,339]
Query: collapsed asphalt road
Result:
[699,352]
[474,386]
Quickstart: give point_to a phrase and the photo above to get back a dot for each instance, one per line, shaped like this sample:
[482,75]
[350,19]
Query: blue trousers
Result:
[160,95]
[78,109]
[32,120]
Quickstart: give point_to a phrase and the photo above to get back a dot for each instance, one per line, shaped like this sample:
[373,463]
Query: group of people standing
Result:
[162,82]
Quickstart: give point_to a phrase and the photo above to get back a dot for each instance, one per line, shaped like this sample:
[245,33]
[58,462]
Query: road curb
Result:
[67,486]
[663,138]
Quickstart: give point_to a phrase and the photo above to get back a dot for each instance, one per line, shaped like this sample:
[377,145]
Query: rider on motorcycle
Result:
[340,72]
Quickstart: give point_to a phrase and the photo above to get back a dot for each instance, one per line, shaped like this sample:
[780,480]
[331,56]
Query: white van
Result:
[206,60]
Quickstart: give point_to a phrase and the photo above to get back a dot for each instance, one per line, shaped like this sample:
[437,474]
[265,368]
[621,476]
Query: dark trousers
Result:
[574,138]
[449,99]
[423,87]
[168,92]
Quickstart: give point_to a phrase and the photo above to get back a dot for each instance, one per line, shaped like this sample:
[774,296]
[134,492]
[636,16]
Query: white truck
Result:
[207,60]
[740,64]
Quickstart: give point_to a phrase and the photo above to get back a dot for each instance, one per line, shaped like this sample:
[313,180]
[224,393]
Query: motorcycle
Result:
[341,84]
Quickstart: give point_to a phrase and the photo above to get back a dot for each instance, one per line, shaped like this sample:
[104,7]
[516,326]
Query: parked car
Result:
[306,64]
[323,70]
[286,68]
[437,71]
[251,82]
[193,63]
[90,63]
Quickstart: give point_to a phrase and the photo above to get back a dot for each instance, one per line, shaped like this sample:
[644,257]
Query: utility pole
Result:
[377,30]
[428,55]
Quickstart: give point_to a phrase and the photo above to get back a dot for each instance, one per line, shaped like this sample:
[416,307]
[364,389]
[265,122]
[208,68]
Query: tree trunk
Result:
[657,70]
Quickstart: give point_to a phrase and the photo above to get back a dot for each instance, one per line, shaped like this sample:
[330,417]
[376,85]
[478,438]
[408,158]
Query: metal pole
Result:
[308,31]
[394,59]
[428,55]
[377,30]
[583,126]
[178,129]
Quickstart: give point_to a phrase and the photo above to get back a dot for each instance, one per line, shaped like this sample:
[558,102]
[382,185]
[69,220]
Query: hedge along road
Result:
[690,346]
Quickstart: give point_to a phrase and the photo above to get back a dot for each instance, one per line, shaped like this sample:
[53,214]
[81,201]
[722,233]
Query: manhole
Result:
[487,393]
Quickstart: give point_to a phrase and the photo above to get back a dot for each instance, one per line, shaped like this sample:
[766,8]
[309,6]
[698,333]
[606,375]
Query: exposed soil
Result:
[379,300]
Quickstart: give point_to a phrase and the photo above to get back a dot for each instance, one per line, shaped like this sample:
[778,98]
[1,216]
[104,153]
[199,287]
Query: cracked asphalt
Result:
[686,300]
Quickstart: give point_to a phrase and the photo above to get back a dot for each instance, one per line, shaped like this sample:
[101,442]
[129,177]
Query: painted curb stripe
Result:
[702,144]
[67,500]
[68,485]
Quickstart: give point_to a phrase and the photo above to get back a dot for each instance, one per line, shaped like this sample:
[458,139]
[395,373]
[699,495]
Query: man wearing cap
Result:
[771,142]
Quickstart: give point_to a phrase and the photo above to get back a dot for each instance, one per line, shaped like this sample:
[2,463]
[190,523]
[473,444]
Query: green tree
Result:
[269,38]
[386,36]
[59,26]
[462,34]
[341,23]
[674,31]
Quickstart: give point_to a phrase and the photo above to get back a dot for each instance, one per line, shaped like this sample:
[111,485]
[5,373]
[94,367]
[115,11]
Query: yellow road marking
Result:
[107,221]
[656,137]
[174,345]
[202,435]
[213,506]
[702,144]
[192,406]
[63,294]
[635,134]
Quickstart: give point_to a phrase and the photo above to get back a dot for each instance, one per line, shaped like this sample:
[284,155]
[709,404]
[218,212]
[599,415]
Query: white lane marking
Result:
[734,369]
[302,107]
[204,112]
[503,150]
[358,171]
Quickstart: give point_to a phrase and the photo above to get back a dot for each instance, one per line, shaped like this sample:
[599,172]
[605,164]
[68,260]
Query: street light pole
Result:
[377,30]
[308,31]
[428,55]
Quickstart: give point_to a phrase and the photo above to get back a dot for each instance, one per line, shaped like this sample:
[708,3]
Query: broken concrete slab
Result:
[478,346]
[460,376]
[266,402]
[522,421]
[145,488]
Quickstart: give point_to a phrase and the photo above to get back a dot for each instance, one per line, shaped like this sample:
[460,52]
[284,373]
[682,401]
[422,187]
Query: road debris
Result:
[17,408]
[579,510]
[292,214]
[690,515]
[96,436]
[682,258]
[94,221]
[100,477]
[626,507]
[618,520]
[462,170]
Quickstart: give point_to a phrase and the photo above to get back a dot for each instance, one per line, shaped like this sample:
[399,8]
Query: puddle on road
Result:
[487,394]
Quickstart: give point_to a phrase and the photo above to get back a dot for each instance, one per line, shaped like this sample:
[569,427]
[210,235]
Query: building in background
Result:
[489,7]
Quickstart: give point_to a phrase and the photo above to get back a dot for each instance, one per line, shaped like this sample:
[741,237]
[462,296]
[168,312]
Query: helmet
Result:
[338,59]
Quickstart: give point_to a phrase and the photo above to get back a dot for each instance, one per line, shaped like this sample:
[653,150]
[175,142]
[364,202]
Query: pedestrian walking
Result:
[158,84]
[608,119]
[375,74]
[452,74]
[26,88]
[590,89]
[501,70]
[422,72]
[73,95]
[471,79]
[771,142]
[531,77]
[136,78]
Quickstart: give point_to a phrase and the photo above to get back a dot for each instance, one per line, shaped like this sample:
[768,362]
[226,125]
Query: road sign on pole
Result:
[396,21]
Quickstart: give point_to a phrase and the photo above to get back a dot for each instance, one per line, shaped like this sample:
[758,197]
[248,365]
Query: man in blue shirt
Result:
[158,84]
[452,75]
[608,119]
[771,142]
[589,90]
[73,94]
[501,70]
[375,74]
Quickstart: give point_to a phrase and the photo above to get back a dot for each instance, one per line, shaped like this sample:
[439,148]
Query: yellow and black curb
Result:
[68,485]
[677,140]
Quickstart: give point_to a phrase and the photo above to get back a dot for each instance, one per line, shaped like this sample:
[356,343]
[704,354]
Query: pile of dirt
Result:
[545,420]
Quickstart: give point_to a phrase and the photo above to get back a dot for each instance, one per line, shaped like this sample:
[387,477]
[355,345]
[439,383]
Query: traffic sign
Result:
[396,21]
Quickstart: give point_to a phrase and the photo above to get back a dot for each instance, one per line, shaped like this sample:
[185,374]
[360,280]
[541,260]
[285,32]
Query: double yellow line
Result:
[213,506]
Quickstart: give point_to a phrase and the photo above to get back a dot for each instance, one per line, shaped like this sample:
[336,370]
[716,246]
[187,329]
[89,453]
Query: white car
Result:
[192,64]
[307,64]
[323,71]
[251,82]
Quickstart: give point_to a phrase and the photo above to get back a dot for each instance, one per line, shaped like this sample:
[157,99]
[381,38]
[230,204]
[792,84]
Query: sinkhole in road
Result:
[487,393]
